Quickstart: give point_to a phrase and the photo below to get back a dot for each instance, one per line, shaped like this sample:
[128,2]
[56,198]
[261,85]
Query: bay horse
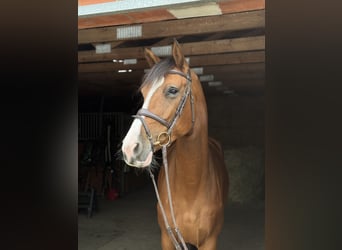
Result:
[173,118]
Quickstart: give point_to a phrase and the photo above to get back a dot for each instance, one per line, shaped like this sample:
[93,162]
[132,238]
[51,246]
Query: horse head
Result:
[167,112]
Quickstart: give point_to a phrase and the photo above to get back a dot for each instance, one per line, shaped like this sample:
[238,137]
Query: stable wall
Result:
[236,121]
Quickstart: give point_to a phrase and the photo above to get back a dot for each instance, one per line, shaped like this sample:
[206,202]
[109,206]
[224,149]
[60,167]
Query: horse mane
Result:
[158,71]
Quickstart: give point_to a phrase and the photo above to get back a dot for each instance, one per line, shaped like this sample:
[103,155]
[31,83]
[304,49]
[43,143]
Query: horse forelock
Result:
[158,71]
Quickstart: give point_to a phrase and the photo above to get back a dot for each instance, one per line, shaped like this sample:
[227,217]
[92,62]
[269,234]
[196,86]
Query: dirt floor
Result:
[130,222]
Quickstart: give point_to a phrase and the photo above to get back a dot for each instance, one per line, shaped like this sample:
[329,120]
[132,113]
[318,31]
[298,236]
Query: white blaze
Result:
[134,132]
[154,88]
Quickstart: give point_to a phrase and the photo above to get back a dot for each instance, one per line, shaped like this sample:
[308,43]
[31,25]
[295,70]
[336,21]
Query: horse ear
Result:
[151,58]
[178,56]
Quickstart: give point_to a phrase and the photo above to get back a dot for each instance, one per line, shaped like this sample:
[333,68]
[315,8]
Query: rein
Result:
[164,140]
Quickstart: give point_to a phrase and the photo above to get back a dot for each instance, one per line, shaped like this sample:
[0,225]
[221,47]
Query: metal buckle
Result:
[163,139]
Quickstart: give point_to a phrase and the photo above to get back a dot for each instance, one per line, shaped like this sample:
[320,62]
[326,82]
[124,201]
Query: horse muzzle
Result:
[135,155]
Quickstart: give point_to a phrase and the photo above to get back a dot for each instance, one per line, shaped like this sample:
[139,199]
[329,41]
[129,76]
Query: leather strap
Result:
[147,113]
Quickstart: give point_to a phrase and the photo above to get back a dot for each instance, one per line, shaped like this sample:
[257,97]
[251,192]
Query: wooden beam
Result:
[234,6]
[136,78]
[232,58]
[166,41]
[189,49]
[222,59]
[112,44]
[215,36]
[159,14]
[190,26]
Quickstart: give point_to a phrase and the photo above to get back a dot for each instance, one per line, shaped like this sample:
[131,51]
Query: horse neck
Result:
[191,151]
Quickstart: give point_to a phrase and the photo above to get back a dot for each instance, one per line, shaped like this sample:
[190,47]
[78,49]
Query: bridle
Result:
[164,140]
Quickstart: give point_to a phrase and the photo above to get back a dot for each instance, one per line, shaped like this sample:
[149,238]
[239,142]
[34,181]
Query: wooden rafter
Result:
[189,49]
[223,59]
[230,46]
[228,22]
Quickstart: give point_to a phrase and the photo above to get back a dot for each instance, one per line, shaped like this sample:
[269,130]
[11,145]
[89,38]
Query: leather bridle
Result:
[164,138]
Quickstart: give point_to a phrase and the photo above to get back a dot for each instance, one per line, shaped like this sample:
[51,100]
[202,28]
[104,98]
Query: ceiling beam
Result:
[188,49]
[195,61]
[108,7]
[166,41]
[190,26]
[158,14]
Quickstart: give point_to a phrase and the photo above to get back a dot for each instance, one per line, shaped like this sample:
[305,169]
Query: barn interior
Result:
[224,43]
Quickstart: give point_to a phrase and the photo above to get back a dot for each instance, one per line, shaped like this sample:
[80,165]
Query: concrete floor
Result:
[131,223]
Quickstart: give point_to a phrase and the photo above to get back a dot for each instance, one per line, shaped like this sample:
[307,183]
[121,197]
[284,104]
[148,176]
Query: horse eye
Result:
[172,91]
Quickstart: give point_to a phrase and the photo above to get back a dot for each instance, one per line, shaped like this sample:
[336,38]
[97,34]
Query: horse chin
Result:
[141,164]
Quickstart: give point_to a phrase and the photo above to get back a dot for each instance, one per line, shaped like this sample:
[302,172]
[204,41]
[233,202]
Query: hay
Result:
[246,175]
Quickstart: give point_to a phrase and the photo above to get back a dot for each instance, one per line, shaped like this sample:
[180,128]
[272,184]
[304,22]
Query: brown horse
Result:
[174,117]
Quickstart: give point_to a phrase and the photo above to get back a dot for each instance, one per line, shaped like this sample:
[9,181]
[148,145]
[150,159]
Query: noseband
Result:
[164,138]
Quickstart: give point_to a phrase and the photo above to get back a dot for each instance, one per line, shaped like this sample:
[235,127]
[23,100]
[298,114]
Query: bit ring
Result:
[163,139]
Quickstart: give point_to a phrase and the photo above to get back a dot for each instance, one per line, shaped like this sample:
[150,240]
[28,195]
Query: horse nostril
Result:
[137,148]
